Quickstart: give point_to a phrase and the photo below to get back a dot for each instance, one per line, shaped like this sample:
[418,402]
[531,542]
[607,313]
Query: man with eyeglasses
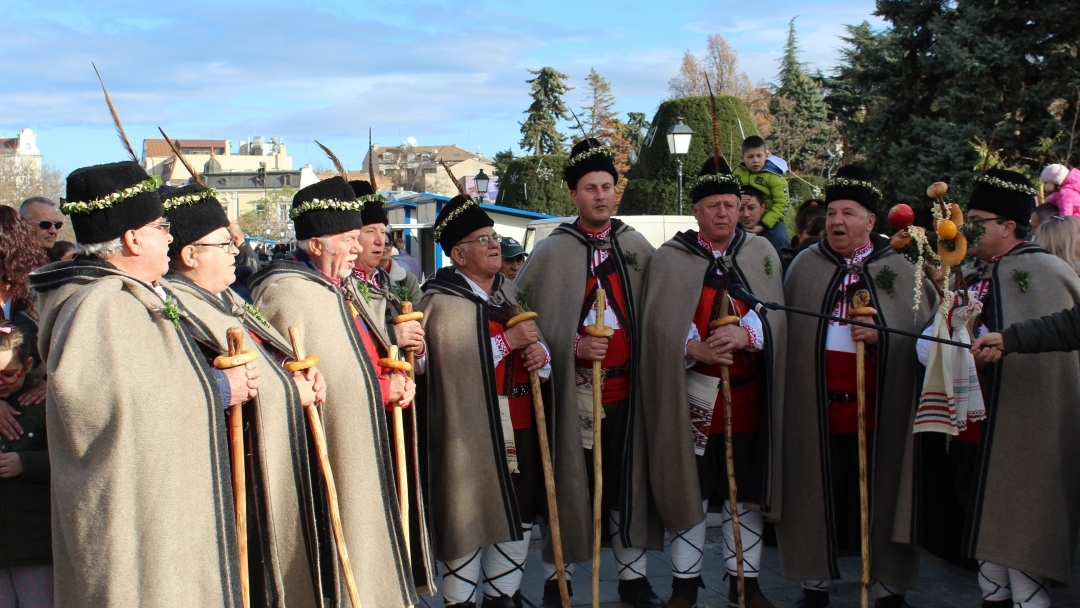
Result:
[315,293]
[485,482]
[1010,500]
[42,215]
[144,453]
[562,276]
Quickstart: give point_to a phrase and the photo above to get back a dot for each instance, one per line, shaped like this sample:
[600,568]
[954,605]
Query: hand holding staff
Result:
[545,460]
[315,422]
[392,361]
[597,330]
[729,449]
[860,308]
[237,357]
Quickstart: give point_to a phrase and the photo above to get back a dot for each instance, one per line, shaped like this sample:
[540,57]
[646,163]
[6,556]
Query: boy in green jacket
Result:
[753,171]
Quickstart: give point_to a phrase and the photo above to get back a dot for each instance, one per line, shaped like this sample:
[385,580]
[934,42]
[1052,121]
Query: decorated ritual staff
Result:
[562,275]
[142,503]
[484,474]
[685,352]
[314,294]
[284,503]
[1011,506]
[821,483]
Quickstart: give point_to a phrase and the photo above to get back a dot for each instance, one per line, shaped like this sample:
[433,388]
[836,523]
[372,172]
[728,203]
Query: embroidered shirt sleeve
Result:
[545,371]
[499,348]
[751,322]
[691,336]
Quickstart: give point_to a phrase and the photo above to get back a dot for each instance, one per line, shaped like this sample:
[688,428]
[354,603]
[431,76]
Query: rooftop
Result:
[160,147]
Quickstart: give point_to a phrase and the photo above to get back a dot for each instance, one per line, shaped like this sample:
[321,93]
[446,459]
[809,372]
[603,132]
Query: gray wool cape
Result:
[672,289]
[473,503]
[555,275]
[806,532]
[291,294]
[141,493]
[1024,504]
[288,499]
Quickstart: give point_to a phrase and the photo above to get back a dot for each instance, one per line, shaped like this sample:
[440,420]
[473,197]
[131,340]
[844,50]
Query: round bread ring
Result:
[864,311]
[957,255]
[607,332]
[409,316]
[956,215]
[900,240]
[299,366]
[525,316]
[229,362]
[728,320]
[397,364]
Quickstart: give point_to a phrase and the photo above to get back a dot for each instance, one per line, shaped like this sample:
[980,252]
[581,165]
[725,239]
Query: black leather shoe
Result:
[638,593]
[684,592]
[997,603]
[503,601]
[462,605]
[551,594]
[813,599]
[752,591]
[891,601]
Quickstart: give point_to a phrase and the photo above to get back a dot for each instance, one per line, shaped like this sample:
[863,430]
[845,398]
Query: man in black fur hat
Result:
[562,276]
[821,455]
[145,450]
[484,478]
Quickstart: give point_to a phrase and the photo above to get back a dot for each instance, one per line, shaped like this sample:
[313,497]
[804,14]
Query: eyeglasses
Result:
[11,376]
[971,221]
[226,247]
[164,226]
[45,225]
[484,240]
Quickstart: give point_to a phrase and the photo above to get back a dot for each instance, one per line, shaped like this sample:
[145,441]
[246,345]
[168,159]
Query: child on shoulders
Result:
[755,171]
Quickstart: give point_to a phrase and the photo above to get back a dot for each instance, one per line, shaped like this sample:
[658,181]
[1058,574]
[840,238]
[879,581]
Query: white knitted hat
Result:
[1055,174]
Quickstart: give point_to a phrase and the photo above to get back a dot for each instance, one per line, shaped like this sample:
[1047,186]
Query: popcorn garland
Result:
[189,199]
[606,151]
[318,203]
[719,178]
[367,198]
[852,183]
[150,184]
[990,180]
[456,212]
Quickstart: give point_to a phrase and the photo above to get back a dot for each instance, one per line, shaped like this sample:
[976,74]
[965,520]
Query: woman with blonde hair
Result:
[1059,236]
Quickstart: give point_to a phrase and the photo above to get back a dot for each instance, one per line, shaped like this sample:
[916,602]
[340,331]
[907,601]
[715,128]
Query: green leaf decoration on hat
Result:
[150,184]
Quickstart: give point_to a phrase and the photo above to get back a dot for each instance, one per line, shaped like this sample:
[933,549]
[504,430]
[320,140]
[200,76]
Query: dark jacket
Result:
[1058,332]
[20,317]
[25,522]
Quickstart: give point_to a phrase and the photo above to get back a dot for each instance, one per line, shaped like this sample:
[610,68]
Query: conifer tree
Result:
[539,132]
[800,124]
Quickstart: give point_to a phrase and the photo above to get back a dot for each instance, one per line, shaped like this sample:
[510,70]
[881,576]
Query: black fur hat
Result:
[1005,193]
[325,207]
[853,183]
[589,155]
[105,201]
[714,180]
[194,212]
[458,219]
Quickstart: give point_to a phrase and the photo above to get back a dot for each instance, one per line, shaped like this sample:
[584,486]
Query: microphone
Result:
[737,291]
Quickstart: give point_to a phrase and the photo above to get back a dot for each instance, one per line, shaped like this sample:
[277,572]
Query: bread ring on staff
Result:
[229,362]
[722,321]
[299,366]
[956,215]
[862,311]
[900,240]
[409,316]
[957,255]
[607,332]
[525,316]
[937,190]
[397,364]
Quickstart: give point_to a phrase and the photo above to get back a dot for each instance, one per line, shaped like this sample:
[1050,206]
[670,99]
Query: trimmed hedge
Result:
[535,183]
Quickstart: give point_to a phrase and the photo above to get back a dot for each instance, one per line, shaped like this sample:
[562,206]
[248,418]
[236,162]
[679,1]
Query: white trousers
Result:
[1001,583]
[629,561]
[501,566]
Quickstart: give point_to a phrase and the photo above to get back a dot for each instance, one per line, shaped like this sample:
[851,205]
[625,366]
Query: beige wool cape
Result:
[673,286]
[282,524]
[291,294]
[142,499]
[806,531]
[473,502]
[555,275]
[1023,508]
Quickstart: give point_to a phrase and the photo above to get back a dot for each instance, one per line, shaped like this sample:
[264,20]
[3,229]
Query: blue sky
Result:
[442,72]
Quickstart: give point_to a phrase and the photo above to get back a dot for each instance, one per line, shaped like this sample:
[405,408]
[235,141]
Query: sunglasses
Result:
[45,225]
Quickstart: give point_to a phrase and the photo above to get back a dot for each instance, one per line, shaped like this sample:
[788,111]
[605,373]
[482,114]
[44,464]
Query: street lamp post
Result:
[830,160]
[481,180]
[678,141]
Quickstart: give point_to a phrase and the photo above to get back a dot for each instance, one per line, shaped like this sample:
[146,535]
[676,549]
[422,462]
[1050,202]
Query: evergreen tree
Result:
[602,123]
[634,130]
[502,160]
[539,132]
[800,124]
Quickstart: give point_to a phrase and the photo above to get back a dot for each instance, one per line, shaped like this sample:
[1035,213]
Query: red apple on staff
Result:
[901,216]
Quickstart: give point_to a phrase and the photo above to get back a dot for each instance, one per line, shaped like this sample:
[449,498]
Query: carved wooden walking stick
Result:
[302,363]
[861,308]
[545,460]
[392,362]
[597,330]
[729,450]
[238,356]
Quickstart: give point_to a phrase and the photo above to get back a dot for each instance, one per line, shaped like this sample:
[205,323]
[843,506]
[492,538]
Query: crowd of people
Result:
[415,441]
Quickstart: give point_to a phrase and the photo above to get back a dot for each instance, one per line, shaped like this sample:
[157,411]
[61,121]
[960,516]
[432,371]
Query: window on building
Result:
[388,157]
[411,158]
[288,179]
[425,156]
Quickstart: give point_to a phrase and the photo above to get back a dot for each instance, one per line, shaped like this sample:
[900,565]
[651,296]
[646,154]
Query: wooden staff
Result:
[860,308]
[238,356]
[729,450]
[545,460]
[392,362]
[315,422]
[597,330]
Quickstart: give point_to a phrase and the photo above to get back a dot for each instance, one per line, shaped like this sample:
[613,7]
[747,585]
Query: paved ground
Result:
[937,587]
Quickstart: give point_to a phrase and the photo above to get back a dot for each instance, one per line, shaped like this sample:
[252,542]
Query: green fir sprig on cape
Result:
[254,311]
[631,260]
[973,233]
[885,279]
[172,311]
[768,266]
[365,290]
[401,291]
[523,297]
[1023,278]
